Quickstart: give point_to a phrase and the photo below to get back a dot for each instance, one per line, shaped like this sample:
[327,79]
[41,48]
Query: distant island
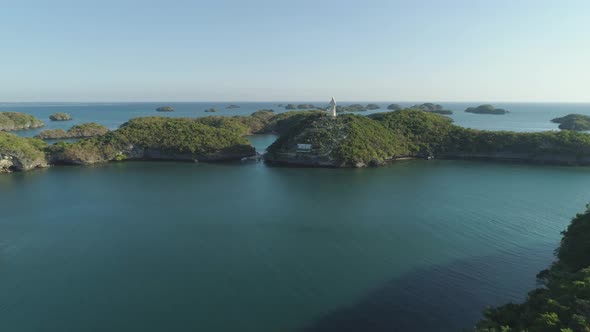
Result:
[77,131]
[563,301]
[577,122]
[232,106]
[165,109]
[394,107]
[486,109]
[356,108]
[211,110]
[60,116]
[432,108]
[10,121]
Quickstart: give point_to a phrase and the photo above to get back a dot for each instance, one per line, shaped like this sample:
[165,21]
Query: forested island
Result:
[486,109]
[563,302]
[208,139]
[306,138]
[60,116]
[355,141]
[432,108]
[577,122]
[10,121]
[165,109]
[77,131]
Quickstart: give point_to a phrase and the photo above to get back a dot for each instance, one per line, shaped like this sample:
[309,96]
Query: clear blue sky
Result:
[452,50]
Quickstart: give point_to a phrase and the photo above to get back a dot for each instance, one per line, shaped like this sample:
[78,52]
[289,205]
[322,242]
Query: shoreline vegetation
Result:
[307,138]
[11,121]
[562,302]
[577,122]
[83,130]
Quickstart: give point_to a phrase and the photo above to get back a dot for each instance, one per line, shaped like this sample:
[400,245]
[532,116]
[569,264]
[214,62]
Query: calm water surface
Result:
[178,246]
[415,246]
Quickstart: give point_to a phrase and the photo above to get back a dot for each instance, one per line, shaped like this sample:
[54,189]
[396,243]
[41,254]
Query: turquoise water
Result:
[243,247]
[164,246]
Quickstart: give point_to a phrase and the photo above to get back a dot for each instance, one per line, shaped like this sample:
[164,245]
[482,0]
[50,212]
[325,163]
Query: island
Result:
[77,131]
[350,108]
[232,106]
[307,138]
[577,122]
[21,154]
[486,109]
[372,107]
[300,107]
[563,301]
[394,107]
[165,109]
[432,108]
[60,116]
[356,141]
[211,110]
[10,121]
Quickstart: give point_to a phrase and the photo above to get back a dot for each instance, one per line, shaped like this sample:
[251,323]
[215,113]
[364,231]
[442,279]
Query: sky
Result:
[275,50]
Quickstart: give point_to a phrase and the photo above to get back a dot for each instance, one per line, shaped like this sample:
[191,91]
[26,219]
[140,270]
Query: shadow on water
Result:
[449,297]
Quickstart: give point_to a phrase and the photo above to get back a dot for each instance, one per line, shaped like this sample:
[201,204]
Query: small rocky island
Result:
[165,109]
[232,106]
[486,109]
[60,116]
[211,110]
[10,121]
[394,107]
[576,122]
[372,107]
[78,131]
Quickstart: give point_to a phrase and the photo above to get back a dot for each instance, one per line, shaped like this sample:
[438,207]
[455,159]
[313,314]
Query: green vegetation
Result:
[60,116]
[346,141]
[576,122]
[300,107]
[18,121]
[394,107]
[432,108]
[424,134]
[350,108]
[165,109]
[372,107]
[19,153]
[77,131]
[486,109]
[563,304]
[156,138]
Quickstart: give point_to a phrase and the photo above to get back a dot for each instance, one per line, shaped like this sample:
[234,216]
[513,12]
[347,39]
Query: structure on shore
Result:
[332,108]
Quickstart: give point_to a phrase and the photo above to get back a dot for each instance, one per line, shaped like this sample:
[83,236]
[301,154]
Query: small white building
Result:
[303,147]
[332,108]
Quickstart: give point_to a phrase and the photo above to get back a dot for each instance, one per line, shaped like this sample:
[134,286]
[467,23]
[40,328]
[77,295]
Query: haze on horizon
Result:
[224,50]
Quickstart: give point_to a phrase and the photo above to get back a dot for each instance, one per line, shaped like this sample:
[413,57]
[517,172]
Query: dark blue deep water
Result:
[164,246]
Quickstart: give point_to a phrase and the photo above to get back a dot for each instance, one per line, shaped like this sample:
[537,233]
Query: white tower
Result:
[332,108]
